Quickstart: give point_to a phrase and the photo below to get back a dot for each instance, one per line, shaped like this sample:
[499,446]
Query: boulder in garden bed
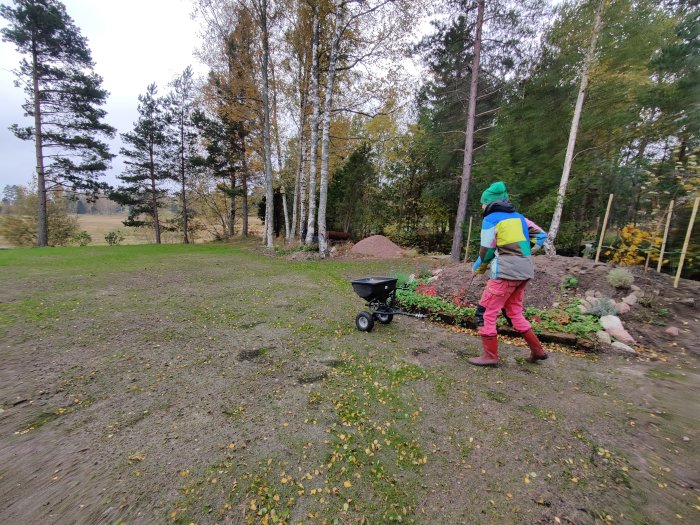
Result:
[622,308]
[631,299]
[614,327]
[624,347]
[603,337]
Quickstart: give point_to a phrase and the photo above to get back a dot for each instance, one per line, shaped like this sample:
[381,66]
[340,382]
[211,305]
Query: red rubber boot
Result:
[489,354]
[537,353]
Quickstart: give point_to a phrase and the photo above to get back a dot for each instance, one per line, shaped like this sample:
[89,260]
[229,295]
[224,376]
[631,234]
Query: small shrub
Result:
[620,278]
[663,312]
[114,238]
[644,301]
[602,306]
[570,282]
[82,239]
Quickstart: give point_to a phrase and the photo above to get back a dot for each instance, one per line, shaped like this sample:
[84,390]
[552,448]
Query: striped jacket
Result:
[506,239]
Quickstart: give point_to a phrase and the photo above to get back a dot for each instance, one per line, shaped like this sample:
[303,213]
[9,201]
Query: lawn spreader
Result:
[380,294]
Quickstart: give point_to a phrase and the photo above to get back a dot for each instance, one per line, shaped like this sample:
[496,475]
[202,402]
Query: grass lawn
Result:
[212,384]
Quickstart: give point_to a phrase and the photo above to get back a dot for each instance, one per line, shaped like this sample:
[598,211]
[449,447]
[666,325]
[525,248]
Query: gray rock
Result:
[614,327]
[672,330]
[610,321]
[590,293]
[630,299]
[624,347]
[582,308]
[635,288]
[622,308]
[603,337]
[688,301]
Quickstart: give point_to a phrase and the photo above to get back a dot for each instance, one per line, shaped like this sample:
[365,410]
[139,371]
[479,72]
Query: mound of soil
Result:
[664,305]
[377,246]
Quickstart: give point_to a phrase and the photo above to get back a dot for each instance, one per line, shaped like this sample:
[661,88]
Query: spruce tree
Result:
[64,96]
[148,161]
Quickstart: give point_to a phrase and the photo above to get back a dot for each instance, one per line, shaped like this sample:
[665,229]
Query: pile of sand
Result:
[377,246]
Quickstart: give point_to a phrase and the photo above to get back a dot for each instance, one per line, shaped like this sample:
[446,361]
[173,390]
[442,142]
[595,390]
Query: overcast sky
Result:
[133,43]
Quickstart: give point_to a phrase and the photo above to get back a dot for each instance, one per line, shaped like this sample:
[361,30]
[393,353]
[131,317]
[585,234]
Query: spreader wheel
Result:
[364,322]
[383,318]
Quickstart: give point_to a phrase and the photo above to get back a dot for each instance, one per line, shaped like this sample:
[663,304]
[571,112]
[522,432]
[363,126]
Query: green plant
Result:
[434,304]
[568,320]
[602,306]
[82,238]
[114,238]
[620,278]
[570,282]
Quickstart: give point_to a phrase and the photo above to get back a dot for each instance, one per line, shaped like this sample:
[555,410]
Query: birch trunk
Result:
[299,182]
[568,159]
[457,238]
[287,227]
[42,227]
[326,127]
[315,111]
[267,150]
[186,238]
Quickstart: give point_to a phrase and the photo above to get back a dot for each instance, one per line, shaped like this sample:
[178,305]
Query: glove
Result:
[478,266]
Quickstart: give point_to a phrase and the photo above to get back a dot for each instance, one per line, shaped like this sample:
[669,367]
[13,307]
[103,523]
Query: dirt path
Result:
[212,385]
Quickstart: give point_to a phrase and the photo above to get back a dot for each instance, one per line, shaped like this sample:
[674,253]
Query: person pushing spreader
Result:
[507,238]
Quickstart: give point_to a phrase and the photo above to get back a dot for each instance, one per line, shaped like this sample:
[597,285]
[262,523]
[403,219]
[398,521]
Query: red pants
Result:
[502,294]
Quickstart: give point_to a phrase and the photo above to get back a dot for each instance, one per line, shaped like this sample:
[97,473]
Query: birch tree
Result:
[568,159]
[326,125]
[315,112]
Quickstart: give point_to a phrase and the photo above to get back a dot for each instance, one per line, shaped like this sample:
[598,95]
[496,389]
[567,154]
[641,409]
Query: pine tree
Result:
[64,96]
[183,136]
[148,155]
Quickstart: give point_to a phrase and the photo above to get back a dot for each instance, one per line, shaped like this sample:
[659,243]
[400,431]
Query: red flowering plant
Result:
[425,289]
[459,299]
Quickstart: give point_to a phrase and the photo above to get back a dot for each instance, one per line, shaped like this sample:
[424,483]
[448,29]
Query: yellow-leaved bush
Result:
[634,243]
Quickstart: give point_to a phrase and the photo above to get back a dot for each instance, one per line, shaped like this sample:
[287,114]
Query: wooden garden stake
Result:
[687,241]
[469,238]
[663,243]
[605,225]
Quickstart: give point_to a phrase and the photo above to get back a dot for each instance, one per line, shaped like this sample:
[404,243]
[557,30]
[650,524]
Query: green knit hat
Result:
[495,192]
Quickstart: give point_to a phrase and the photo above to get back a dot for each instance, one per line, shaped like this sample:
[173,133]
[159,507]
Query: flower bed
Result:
[564,325]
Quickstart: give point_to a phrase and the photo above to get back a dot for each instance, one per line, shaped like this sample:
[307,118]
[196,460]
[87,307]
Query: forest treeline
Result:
[313,104]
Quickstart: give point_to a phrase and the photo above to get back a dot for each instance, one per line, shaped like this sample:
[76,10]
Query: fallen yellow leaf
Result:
[347,484]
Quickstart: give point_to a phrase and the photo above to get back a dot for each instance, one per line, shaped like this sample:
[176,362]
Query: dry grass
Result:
[100,225]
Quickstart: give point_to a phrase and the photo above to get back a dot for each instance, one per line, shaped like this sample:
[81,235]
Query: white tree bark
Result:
[326,126]
[315,111]
[299,181]
[568,159]
[267,150]
[457,238]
